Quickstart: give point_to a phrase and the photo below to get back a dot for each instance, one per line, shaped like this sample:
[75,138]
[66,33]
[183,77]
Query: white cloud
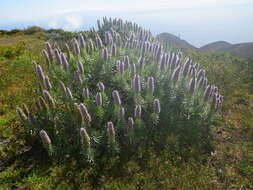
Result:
[72,23]
[66,22]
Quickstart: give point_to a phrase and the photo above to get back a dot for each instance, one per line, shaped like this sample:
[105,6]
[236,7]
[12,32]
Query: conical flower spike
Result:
[151,84]
[157,108]
[137,112]
[21,114]
[99,100]
[85,113]
[45,139]
[111,131]
[85,139]
[116,97]
[130,124]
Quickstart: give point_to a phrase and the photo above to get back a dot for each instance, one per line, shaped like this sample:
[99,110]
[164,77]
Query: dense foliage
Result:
[120,95]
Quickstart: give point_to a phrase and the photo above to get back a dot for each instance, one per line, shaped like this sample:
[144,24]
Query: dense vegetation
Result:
[186,162]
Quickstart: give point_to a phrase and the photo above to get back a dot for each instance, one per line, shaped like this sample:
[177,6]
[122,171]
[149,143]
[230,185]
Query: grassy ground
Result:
[230,166]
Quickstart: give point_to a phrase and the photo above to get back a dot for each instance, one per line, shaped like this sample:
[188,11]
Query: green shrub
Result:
[9,52]
[119,97]
[33,29]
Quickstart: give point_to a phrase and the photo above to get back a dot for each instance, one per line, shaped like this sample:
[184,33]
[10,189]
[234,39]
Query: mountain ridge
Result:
[242,50]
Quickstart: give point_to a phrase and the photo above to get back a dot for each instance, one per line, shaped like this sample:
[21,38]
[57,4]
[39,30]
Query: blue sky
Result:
[197,21]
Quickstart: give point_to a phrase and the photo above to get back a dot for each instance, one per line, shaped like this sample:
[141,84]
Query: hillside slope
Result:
[175,41]
[242,50]
[216,46]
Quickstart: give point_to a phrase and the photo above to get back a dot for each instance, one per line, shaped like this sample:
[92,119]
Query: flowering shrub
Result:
[118,92]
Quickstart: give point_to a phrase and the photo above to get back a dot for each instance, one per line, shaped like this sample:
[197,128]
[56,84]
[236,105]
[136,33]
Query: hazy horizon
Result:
[197,21]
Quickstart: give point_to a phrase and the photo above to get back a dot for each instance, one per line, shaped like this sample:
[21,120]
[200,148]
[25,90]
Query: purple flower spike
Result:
[99,100]
[116,97]
[137,83]
[151,84]
[137,112]
[157,108]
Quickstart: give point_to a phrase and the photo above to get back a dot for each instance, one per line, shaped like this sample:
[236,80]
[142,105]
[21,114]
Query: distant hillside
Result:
[216,46]
[243,50]
[175,41]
